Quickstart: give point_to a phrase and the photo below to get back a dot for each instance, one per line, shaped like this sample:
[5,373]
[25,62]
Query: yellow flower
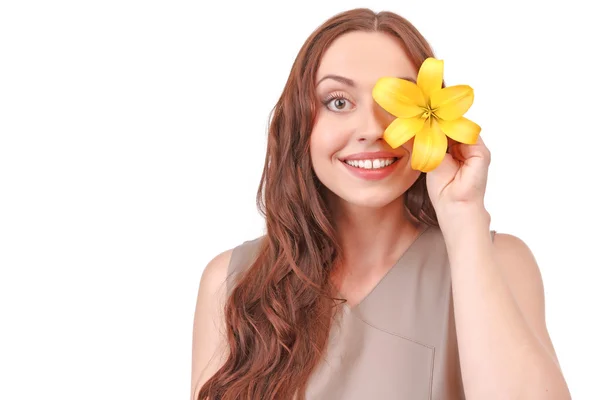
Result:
[427,112]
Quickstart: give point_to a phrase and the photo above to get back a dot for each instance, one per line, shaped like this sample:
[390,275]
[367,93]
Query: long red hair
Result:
[279,313]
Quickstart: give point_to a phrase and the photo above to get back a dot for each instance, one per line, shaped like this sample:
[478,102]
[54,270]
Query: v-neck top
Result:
[399,342]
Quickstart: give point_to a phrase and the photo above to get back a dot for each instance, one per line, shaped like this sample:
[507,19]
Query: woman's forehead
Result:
[364,57]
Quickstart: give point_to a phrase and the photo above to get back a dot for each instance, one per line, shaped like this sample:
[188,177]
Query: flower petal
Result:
[399,97]
[462,130]
[429,147]
[430,76]
[452,102]
[401,130]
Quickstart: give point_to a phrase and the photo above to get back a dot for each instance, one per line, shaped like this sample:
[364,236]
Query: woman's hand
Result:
[460,180]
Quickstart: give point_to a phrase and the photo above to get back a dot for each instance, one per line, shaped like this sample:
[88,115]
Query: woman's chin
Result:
[373,200]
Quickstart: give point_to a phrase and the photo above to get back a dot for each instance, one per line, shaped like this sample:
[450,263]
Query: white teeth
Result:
[371,164]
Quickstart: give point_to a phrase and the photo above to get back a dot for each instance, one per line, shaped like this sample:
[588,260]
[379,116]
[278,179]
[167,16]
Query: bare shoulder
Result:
[518,265]
[507,243]
[209,347]
[523,276]
[215,272]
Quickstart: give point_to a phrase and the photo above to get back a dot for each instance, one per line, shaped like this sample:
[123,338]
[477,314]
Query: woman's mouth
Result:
[371,168]
[375,163]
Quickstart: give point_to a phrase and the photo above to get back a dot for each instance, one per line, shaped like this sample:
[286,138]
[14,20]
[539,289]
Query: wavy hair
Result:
[280,312]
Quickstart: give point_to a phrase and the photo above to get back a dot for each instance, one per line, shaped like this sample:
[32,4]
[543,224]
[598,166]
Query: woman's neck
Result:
[372,238]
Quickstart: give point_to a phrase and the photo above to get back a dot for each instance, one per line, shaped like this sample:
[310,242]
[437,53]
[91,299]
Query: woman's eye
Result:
[338,103]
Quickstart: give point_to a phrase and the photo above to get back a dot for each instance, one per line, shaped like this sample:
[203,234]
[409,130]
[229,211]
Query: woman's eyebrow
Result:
[350,82]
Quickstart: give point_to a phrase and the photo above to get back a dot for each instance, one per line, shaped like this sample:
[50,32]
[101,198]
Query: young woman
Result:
[374,280]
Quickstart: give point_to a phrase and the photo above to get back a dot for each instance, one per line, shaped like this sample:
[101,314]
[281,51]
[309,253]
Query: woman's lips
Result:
[371,174]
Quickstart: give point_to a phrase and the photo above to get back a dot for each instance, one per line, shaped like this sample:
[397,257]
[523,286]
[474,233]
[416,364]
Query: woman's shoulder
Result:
[209,320]
[232,260]
[245,253]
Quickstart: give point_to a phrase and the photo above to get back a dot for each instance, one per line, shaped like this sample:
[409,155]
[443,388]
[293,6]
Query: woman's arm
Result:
[504,346]
[208,344]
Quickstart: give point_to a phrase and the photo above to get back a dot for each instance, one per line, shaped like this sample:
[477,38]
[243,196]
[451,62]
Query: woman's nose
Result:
[374,120]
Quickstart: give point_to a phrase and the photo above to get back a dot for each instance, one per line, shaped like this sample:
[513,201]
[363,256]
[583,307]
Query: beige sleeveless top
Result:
[399,342]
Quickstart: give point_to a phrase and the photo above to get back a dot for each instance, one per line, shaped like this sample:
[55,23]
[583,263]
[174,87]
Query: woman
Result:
[372,277]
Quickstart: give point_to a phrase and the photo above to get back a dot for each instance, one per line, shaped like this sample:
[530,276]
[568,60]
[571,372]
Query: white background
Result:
[132,143]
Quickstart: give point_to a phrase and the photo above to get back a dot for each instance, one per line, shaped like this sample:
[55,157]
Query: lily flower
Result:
[427,112]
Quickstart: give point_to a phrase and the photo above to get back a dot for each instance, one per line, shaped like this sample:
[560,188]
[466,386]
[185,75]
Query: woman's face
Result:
[348,152]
